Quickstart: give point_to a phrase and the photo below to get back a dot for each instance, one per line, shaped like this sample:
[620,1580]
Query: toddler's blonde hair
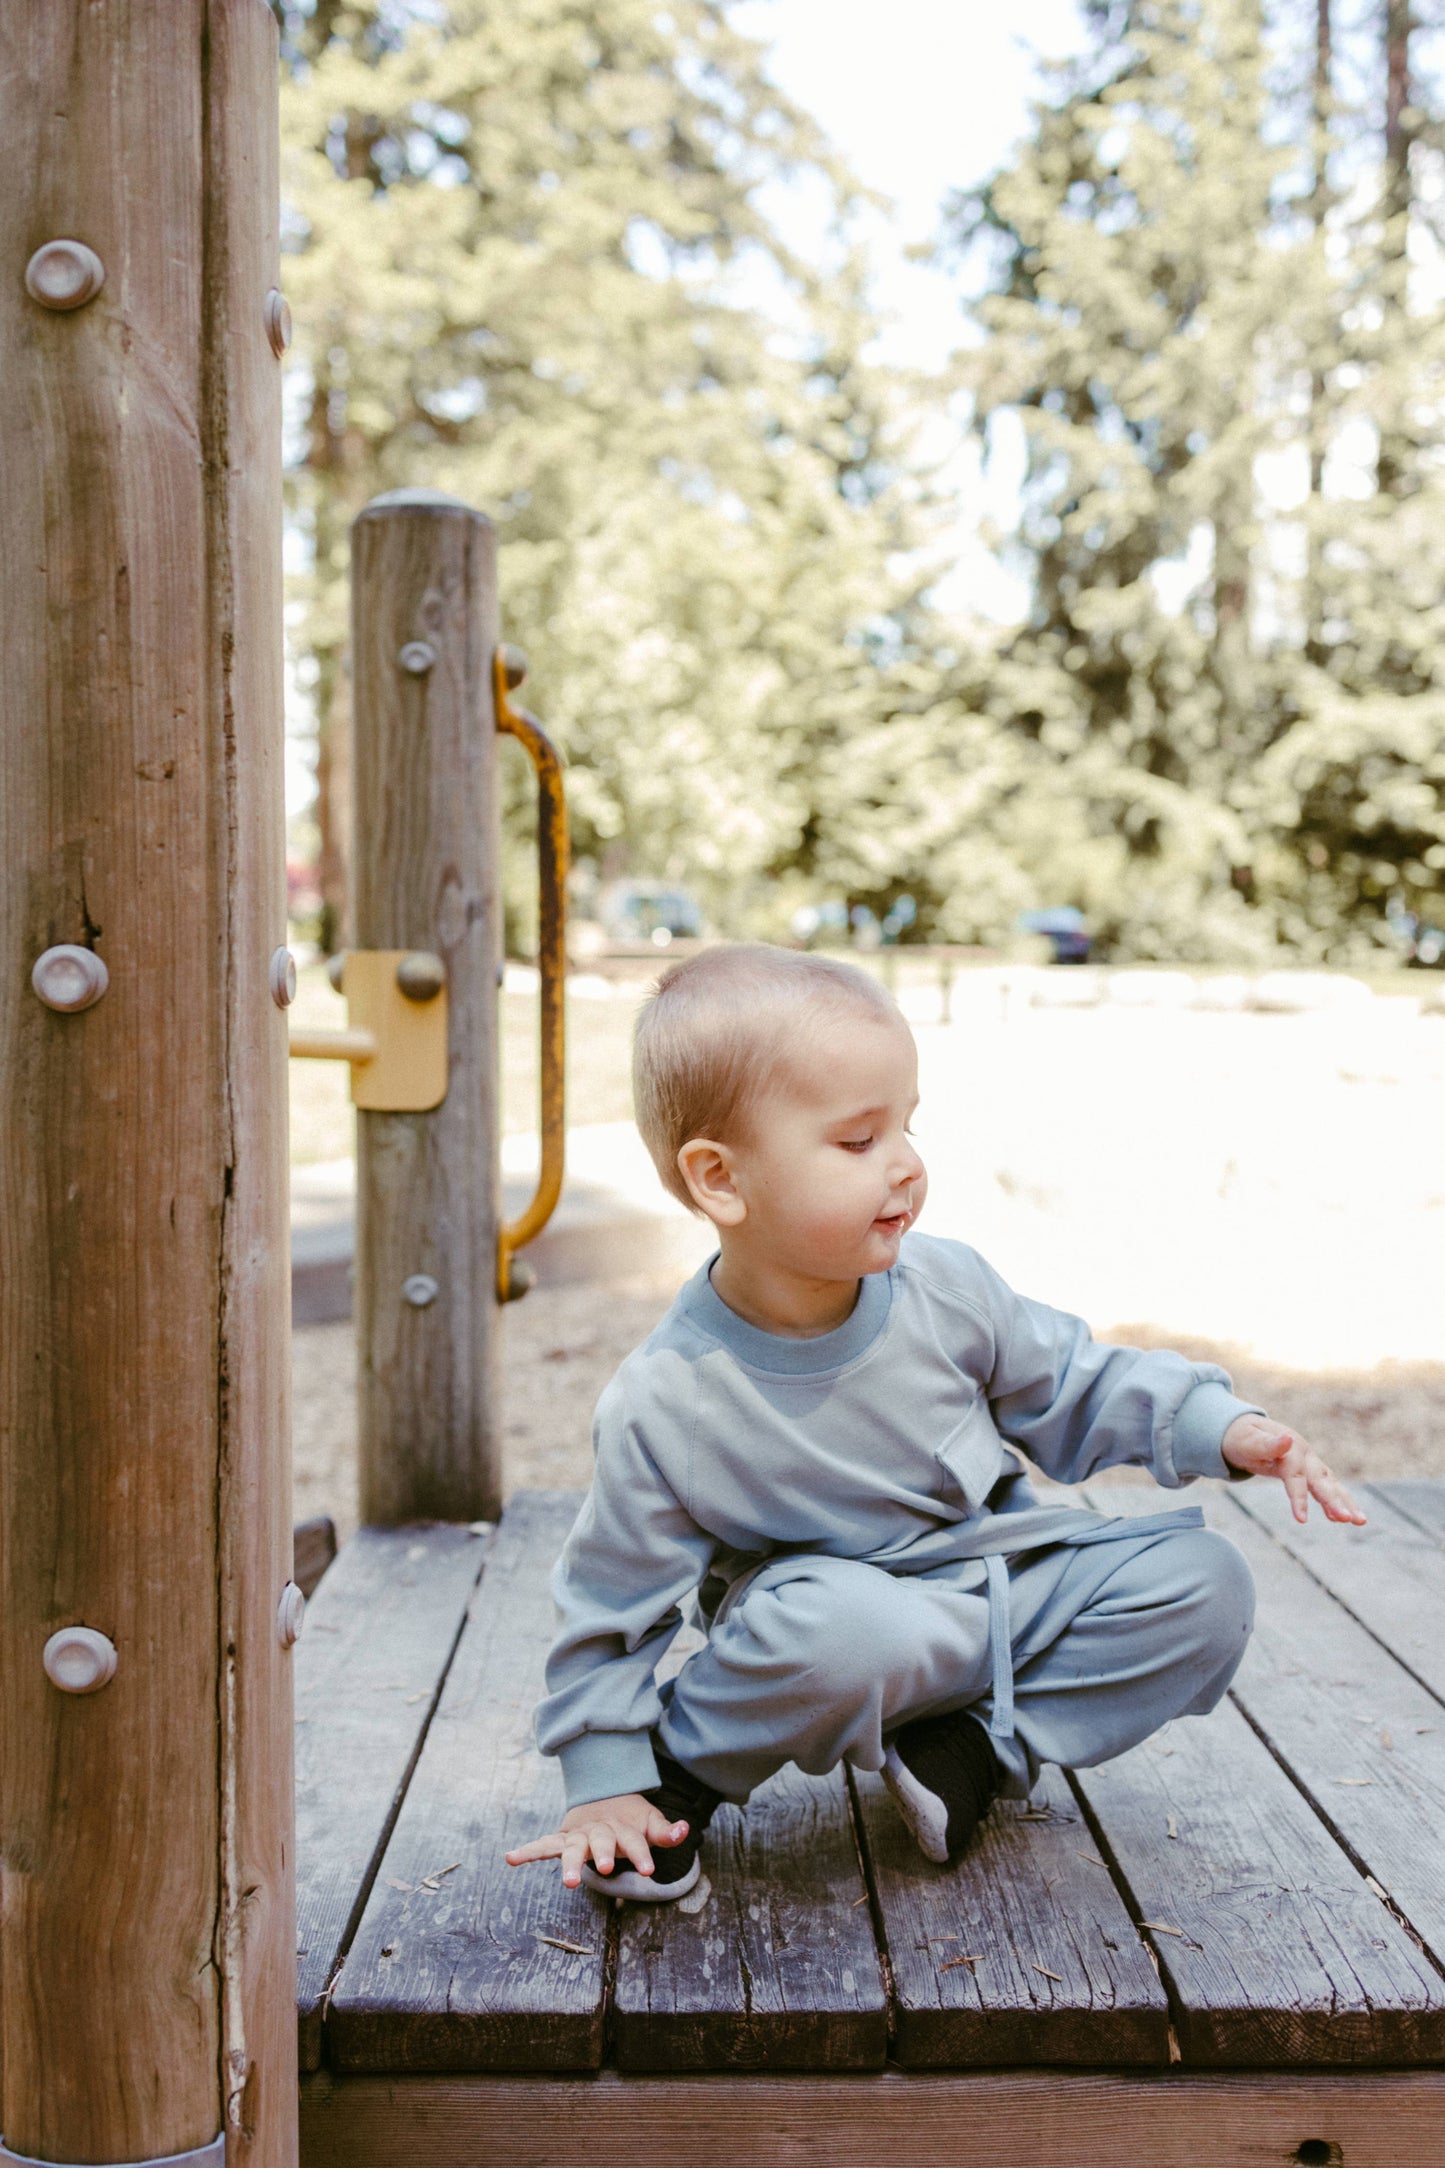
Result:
[717,1029]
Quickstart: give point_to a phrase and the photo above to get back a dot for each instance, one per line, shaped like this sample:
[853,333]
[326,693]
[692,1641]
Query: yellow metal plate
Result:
[408,1073]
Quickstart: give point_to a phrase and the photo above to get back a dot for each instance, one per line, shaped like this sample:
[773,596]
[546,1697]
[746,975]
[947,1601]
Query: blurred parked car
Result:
[1424,945]
[656,912]
[1064,927]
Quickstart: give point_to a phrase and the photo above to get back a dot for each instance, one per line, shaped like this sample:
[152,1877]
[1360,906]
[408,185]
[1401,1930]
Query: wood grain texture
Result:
[1358,1734]
[241,390]
[1420,1502]
[379,1635]
[144,1483]
[779,1969]
[451,1968]
[984,2119]
[1279,1951]
[1389,1574]
[1062,1975]
[424,568]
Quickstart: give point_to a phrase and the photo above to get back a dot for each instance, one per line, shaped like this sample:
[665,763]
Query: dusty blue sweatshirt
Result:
[718,1445]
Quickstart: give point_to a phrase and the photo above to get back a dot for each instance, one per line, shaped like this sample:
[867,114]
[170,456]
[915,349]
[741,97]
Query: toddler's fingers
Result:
[1297,1487]
[604,1847]
[1336,1501]
[634,1844]
[664,1833]
[548,1847]
[574,1854]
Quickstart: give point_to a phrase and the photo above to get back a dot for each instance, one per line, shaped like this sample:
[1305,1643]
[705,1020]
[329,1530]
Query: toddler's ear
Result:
[707,1170]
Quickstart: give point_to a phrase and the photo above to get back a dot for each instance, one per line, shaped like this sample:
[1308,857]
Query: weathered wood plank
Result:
[779,1969]
[1389,1574]
[1278,1952]
[428,1186]
[1358,1734]
[1422,1503]
[452,1968]
[144,1442]
[985,2119]
[1061,1977]
[379,1633]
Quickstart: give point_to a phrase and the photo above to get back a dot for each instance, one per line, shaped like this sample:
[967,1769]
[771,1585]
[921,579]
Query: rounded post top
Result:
[419,500]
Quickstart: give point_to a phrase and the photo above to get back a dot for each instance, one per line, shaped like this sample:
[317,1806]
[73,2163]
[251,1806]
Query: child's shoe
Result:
[942,1773]
[678,1797]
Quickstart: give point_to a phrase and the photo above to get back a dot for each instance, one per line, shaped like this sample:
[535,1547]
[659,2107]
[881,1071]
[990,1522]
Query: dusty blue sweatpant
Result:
[817,1660]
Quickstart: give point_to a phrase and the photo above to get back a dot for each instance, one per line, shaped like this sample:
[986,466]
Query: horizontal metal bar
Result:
[333,1046]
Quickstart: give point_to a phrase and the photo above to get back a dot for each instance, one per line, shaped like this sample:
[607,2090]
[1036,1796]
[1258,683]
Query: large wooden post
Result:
[148,1921]
[424,627]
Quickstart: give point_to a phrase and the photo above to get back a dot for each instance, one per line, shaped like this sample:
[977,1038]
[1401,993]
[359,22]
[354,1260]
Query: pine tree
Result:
[1235,694]
[529,266]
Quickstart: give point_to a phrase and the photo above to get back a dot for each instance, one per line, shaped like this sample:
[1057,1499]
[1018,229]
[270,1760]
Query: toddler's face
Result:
[829,1175]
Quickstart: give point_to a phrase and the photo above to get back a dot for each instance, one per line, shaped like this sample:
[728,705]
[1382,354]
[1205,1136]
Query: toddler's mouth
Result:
[893,1222]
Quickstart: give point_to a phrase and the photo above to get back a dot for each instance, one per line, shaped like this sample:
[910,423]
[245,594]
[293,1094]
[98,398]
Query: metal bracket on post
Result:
[396,1036]
[201,2156]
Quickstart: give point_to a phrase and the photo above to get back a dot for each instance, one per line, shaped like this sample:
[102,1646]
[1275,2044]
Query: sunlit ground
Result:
[1264,1189]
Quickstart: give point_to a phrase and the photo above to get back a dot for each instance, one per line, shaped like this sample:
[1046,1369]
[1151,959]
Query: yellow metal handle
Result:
[508,670]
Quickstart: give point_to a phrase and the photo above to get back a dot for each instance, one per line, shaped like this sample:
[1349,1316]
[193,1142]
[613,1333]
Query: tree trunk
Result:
[1321,107]
[1394,466]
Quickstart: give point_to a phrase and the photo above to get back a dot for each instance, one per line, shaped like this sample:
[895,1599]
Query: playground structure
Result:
[1229,1946]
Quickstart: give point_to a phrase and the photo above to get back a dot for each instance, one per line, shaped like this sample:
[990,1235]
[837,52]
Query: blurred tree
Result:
[1198,332]
[530,266]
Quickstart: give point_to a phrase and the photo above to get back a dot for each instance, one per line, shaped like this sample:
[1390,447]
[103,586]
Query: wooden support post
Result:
[145,1828]
[424,627]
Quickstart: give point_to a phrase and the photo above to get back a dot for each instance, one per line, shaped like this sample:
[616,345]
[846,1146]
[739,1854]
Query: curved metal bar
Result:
[552,855]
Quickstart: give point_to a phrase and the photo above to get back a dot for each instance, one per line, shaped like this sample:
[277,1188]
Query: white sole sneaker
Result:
[922,1810]
[642,1889]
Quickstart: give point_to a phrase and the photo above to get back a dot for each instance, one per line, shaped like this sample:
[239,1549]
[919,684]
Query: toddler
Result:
[811,1454]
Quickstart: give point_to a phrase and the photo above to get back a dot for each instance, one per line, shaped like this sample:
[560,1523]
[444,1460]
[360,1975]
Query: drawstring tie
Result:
[1000,1647]
[1094,1529]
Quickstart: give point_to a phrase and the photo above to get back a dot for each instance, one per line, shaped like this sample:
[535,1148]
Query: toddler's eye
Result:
[855,1144]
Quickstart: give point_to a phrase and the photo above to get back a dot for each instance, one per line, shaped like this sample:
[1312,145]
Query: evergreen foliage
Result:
[523,244]
[1230,397]
[530,263]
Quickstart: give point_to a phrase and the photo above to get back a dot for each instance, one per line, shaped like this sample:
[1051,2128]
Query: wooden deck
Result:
[1228,1946]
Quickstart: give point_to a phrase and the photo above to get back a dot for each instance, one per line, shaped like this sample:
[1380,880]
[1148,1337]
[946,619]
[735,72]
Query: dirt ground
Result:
[563,1343]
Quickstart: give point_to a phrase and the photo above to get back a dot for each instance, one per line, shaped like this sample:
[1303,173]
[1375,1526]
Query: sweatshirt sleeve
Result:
[633,1557]
[1074,1405]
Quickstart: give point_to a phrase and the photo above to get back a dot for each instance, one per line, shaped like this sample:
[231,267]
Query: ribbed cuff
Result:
[1204,1416]
[605,1764]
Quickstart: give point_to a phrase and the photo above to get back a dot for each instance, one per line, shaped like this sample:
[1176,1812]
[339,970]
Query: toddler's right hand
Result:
[598,1830]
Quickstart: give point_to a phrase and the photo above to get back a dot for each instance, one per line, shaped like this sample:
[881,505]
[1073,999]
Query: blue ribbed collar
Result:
[781,1353]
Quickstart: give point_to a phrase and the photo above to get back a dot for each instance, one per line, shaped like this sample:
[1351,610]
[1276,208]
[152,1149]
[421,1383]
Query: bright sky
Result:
[921,96]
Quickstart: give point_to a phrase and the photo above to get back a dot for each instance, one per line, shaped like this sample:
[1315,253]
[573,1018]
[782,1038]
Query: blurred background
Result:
[970,486]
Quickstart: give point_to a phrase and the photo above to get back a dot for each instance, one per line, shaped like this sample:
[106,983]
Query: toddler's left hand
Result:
[1254,1443]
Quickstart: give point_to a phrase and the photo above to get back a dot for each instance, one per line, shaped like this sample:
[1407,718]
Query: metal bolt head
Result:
[420,1290]
[336,969]
[79,1660]
[278,321]
[290,1616]
[69,978]
[514,667]
[283,978]
[521,1279]
[421,976]
[64,275]
[417,657]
